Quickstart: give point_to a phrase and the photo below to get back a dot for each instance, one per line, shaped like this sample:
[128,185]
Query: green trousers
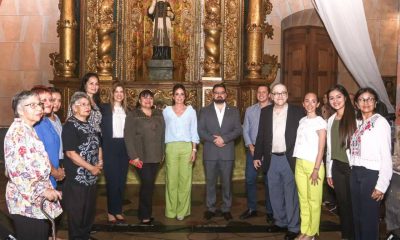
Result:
[310,196]
[178,179]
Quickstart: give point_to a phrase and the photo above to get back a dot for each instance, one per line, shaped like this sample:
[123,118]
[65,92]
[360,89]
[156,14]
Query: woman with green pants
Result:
[181,139]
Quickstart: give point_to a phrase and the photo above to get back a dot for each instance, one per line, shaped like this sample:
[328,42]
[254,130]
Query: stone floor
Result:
[193,227]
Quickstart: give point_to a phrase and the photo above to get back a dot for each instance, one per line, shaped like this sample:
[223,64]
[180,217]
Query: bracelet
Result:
[316,169]
[194,150]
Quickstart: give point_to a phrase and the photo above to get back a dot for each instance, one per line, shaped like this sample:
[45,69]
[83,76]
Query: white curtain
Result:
[347,27]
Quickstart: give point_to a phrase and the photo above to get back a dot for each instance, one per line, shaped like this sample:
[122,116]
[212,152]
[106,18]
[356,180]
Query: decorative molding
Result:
[105,27]
[232,31]
[212,30]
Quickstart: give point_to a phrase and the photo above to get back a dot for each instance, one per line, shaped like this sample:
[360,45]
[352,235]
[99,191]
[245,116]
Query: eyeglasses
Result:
[83,104]
[366,100]
[34,105]
[219,93]
[280,94]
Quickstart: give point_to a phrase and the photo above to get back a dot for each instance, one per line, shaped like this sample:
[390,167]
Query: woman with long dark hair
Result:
[116,158]
[371,164]
[341,127]
[90,85]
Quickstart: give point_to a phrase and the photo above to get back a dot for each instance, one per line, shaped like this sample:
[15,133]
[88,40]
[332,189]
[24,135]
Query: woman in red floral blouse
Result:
[28,171]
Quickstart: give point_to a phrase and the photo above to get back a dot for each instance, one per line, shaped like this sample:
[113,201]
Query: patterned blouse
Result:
[82,138]
[95,118]
[28,170]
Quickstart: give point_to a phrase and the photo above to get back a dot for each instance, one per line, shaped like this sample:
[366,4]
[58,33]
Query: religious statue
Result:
[161,13]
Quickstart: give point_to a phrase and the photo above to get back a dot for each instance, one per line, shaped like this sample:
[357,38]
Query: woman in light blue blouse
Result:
[181,139]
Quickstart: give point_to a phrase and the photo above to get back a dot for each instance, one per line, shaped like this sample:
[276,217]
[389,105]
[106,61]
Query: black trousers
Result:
[80,206]
[30,228]
[365,209]
[147,175]
[341,182]
[116,162]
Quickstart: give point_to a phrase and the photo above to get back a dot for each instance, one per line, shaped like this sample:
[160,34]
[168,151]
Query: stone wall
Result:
[27,36]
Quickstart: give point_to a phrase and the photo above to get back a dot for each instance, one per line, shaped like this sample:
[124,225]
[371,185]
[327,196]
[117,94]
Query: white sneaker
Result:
[180,218]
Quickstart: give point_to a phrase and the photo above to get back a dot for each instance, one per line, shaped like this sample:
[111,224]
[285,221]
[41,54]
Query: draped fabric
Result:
[347,27]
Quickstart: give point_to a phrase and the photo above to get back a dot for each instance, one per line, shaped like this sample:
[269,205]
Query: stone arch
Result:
[307,17]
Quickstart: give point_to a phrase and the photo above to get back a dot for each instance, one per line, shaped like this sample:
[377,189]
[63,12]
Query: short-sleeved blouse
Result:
[307,140]
[82,138]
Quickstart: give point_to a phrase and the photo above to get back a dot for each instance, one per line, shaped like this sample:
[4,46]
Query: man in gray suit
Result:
[218,127]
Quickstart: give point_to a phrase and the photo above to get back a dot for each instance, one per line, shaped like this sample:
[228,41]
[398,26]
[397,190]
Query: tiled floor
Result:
[193,227]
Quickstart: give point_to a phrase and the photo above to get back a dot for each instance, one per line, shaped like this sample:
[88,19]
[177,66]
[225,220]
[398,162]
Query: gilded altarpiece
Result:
[115,41]
[134,35]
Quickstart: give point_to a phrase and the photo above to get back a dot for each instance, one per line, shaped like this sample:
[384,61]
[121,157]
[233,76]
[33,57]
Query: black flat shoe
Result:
[208,215]
[275,228]
[269,218]
[291,235]
[227,216]
[248,214]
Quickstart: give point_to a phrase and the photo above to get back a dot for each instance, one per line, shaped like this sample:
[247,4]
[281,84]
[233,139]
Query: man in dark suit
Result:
[218,127]
[275,143]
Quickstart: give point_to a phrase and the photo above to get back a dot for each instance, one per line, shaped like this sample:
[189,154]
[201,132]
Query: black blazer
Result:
[263,146]
[230,130]
[106,123]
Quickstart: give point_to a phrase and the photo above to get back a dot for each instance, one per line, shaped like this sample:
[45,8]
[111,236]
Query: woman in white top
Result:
[181,139]
[115,155]
[371,165]
[309,150]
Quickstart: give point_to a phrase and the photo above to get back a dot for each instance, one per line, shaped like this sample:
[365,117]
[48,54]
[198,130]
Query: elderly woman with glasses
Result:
[371,164]
[83,163]
[28,170]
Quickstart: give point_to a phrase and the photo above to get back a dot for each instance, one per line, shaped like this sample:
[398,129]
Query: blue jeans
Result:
[251,185]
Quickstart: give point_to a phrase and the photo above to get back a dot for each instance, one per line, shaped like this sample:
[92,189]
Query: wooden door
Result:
[309,62]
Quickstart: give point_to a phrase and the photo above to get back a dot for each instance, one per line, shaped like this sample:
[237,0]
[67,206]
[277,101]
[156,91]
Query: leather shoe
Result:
[290,235]
[248,214]
[208,215]
[269,218]
[276,228]
[227,216]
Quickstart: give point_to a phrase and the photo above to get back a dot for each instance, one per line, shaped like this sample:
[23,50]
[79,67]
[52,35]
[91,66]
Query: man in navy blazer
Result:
[218,127]
[275,144]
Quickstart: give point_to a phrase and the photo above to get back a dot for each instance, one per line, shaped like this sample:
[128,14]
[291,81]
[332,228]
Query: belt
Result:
[279,153]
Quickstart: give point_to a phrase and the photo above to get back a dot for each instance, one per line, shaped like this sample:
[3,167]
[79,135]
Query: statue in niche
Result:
[161,14]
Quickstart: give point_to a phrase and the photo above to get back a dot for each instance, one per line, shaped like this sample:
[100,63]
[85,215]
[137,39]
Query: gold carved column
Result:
[255,35]
[64,63]
[212,32]
[105,27]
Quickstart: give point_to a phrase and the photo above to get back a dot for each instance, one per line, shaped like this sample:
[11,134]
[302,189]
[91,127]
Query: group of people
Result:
[47,160]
